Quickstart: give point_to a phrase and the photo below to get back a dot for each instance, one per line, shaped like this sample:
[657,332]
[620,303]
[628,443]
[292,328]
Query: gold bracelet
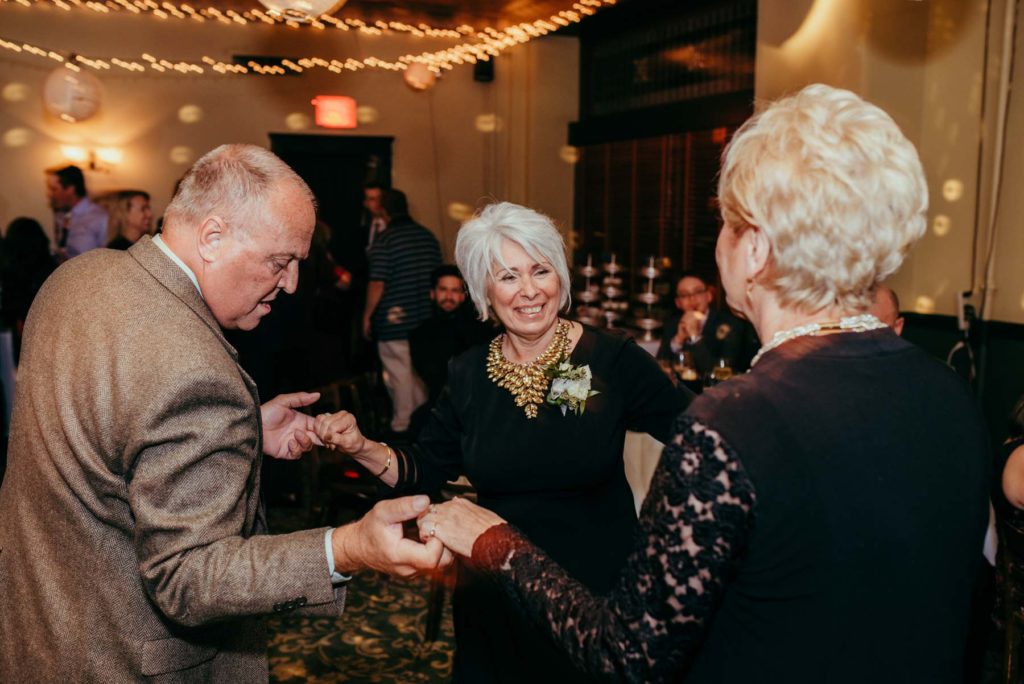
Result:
[387,466]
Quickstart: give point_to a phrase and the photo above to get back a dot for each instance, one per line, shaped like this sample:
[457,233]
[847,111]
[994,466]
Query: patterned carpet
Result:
[379,639]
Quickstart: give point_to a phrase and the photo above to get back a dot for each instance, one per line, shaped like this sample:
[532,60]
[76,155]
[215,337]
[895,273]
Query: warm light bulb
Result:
[110,155]
[74,153]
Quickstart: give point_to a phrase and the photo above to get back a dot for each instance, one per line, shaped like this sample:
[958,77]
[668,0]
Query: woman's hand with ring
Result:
[457,524]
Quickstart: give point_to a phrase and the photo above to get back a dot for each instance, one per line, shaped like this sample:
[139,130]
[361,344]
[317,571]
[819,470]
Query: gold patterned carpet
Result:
[379,638]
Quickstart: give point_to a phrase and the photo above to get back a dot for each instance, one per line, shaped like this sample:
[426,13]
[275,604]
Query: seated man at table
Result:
[709,334]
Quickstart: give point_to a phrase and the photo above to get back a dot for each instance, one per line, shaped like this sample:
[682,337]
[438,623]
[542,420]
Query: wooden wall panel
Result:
[651,197]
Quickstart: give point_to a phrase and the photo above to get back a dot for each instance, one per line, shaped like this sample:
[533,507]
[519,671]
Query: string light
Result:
[185,11]
[481,45]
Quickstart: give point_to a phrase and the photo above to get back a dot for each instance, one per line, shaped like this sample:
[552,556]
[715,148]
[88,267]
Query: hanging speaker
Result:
[483,72]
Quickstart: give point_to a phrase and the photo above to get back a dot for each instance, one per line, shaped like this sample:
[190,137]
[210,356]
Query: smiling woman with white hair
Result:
[536,420]
[819,518]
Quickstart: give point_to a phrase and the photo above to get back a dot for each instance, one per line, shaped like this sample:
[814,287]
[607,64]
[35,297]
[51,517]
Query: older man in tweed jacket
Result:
[130,541]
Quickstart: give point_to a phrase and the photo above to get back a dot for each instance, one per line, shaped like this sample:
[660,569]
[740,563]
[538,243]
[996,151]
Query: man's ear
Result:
[210,238]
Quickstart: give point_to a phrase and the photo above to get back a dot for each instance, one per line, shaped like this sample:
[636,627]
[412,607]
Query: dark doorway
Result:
[336,168]
[313,338]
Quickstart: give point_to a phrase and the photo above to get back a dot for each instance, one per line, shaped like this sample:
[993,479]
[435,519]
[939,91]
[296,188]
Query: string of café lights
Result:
[482,44]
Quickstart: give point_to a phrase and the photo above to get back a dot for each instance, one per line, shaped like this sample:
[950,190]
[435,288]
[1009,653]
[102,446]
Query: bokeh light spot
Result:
[190,114]
[297,121]
[488,123]
[367,115]
[924,305]
[569,154]
[17,137]
[181,154]
[460,211]
[952,190]
[941,225]
[15,92]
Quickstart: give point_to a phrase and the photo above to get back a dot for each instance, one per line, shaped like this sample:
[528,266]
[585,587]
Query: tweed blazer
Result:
[130,521]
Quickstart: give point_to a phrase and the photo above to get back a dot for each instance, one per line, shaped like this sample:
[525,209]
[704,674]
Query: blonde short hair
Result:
[837,189]
[479,242]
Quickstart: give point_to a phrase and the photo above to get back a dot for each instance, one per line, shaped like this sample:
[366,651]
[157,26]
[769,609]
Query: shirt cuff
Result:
[336,577]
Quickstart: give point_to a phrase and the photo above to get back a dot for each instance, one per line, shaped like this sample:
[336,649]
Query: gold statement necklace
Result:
[527,381]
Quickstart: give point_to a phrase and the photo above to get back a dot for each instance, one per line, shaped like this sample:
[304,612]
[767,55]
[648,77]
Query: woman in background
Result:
[131,217]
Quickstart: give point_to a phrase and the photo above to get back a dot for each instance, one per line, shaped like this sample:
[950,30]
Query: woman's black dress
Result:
[559,478]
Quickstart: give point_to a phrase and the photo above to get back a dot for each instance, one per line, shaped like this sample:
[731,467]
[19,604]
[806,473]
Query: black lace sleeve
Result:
[694,524]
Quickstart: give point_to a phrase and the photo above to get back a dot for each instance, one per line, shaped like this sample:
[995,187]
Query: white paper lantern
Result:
[71,95]
[302,10]
[418,76]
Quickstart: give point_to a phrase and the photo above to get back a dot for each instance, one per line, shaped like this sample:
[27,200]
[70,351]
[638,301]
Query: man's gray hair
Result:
[234,182]
[478,247]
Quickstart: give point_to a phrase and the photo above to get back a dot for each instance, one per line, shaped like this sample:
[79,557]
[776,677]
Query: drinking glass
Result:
[720,372]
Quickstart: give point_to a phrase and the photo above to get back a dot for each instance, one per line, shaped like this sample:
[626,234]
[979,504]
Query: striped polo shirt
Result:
[403,257]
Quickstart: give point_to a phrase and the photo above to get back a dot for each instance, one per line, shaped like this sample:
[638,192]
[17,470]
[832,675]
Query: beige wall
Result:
[1003,238]
[924,63]
[440,156]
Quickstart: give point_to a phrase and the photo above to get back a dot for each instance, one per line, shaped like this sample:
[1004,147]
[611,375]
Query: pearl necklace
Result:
[527,381]
[861,323]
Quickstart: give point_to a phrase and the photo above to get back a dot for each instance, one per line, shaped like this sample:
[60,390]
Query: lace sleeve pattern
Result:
[693,526]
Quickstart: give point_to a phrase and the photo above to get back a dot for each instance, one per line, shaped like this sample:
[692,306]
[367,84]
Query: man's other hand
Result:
[376,541]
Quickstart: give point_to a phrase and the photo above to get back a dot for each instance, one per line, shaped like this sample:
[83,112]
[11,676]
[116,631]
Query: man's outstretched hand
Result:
[287,433]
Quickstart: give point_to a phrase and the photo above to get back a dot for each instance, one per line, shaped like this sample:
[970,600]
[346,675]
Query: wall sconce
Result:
[98,159]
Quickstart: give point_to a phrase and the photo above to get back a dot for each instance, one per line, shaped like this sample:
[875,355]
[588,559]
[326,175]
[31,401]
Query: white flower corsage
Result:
[570,387]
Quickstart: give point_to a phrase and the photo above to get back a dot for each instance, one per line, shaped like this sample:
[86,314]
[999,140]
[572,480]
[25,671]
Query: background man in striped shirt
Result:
[398,299]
